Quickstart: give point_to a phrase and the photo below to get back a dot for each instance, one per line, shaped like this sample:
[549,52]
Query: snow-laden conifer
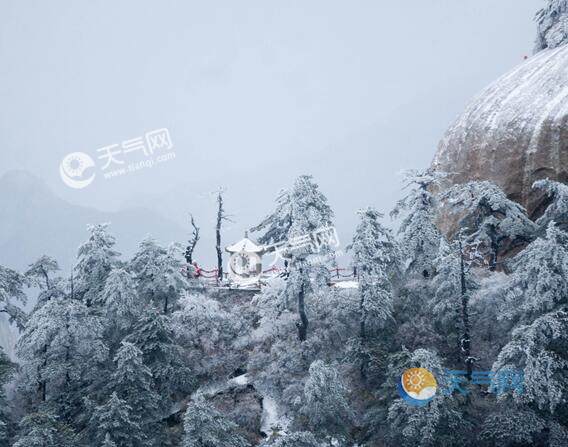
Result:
[158,272]
[489,218]
[95,260]
[115,422]
[204,426]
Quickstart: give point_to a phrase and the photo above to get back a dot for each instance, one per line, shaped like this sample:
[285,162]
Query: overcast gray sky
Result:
[252,92]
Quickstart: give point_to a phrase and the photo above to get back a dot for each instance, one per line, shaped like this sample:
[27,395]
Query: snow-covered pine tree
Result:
[43,429]
[376,259]
[41,274]
[552,25]
[12,284]
[154,336]
[309,207]
[6,370]
[41,271]
[61,352]
[95,260]
[375,255]
[299,212]
[279,362]
[204,426]
[438,423]
[115,422]
[557,210]
[146,267]
[489,217]
[511,425]
[537,303]
[453,285]
[276,225]
[132,383]
[120,301]
[539,283]
[418,235]
[208,333]
[173,279]
[326,405]
[158,272]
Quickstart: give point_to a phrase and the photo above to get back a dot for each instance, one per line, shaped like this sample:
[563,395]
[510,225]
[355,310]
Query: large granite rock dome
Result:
[515,131]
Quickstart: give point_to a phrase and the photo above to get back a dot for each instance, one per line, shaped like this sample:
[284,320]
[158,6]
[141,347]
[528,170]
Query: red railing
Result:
[337,272]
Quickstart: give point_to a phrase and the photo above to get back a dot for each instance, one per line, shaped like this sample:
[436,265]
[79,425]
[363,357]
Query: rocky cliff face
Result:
[515,131]
[552,25]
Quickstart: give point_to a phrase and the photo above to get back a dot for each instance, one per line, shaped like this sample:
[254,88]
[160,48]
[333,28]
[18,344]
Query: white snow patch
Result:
[347,285]
[271,417]
[240,380]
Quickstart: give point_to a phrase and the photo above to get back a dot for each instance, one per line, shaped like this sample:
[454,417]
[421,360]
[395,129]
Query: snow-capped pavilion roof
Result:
[245,245]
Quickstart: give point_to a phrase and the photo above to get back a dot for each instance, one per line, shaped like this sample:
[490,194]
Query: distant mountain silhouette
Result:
[34,221]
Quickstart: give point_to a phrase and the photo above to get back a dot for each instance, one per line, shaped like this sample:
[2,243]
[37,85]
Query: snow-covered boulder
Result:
[515,131]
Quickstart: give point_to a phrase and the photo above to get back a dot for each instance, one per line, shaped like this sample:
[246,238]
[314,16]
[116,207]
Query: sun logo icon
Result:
[74,165]
[417,386]
[72,170]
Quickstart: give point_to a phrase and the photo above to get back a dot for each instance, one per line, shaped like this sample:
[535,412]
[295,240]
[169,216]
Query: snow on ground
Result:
[271,417]
[347,285]
[240,380]
[271,414]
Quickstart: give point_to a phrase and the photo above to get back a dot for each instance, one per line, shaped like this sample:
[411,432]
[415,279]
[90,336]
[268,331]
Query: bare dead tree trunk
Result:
[220,213]
[191,244]
[221,216]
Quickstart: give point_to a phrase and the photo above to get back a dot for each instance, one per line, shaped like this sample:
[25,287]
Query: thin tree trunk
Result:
[42,384]
[494,251]
[218,237]
[67,356]
[303,323]
[191,243]
[46,276]
[362,330]
[362,315]
[466,337]
[363,335]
